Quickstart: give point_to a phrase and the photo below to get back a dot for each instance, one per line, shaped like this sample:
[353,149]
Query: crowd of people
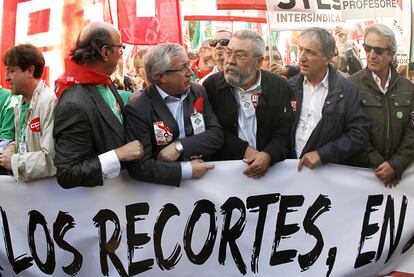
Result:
[233,102]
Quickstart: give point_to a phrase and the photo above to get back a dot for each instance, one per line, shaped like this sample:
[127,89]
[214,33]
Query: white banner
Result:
[331,221]
[293,15]
[360,9]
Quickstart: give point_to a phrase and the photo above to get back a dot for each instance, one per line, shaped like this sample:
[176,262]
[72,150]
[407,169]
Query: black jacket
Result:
[85,127]
[273,113]
[344,127]
[147,108]
[392,117]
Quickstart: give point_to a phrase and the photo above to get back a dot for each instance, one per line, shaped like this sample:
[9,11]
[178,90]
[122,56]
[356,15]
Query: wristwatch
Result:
[179,147]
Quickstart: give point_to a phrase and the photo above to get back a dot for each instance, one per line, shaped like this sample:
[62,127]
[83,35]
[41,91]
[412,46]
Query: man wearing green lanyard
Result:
[6,118]
[30,156]
[89,120]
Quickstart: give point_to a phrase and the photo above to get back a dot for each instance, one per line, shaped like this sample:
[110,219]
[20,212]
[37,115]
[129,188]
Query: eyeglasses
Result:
[118,45]
[223,42]
[377,50]
[183,68]
[240,55]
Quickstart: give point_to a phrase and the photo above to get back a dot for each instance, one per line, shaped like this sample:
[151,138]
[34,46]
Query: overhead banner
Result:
[149,22]
[359,9]
[201,10]
[331,221]
[241,4]
[299,15]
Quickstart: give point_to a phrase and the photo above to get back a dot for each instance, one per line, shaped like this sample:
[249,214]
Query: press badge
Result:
[22,148]
[247,105]
[197,121]
[163,134]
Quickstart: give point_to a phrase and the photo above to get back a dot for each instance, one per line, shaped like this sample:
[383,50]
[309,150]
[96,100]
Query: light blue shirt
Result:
[247,126]
[176,107]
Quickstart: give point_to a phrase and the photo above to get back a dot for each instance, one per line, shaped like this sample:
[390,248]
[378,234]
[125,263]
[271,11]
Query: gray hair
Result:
[384,32]
[257,40]
[158,59]
[326,40]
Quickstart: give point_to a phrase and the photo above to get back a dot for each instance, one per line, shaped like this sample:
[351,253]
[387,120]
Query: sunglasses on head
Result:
[377,50]
[223,42]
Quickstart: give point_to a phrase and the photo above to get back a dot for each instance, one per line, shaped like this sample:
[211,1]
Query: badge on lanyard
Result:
[197,121]
[247,105]
[22,148]
[163,134]
[255,98]
[294,104]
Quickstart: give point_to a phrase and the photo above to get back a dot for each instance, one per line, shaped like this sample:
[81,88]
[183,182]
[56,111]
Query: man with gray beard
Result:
[253,106]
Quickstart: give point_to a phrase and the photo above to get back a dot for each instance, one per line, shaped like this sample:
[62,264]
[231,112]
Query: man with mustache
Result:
[330,126]
[173,120]
[388,99]
[253,106]
[89,127]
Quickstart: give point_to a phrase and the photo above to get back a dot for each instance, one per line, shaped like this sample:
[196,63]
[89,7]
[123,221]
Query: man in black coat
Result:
[330,125]
[253,106]
[89,118]
[173,120]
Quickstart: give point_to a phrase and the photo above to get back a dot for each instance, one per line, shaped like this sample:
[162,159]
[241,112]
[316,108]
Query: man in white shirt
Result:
[330,126]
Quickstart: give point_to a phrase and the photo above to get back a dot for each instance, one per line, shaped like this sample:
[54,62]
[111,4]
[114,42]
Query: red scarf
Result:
[199,74]
[79,74]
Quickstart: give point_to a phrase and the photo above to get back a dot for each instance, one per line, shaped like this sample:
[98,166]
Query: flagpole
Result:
[269,31]
[411,50]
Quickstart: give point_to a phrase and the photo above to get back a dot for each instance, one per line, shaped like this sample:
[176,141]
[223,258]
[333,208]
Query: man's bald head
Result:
[91,27]
[91,39]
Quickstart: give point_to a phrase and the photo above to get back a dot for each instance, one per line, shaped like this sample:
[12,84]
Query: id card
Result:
[22,148]
[163,134]
[197,121]
[247,105]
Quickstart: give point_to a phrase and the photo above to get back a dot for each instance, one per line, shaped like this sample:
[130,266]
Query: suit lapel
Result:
[163,112]
[189,110]
[106,113]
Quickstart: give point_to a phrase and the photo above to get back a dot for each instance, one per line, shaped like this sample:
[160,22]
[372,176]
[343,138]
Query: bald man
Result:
[89,119]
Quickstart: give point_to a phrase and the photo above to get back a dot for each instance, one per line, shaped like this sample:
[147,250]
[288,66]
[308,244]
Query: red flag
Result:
[241,5]
[149,22]
[54,35]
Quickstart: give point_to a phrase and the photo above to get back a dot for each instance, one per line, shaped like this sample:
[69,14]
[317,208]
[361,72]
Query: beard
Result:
[239,77]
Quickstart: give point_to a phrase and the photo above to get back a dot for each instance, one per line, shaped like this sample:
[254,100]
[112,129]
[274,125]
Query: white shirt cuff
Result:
[186,171]
[110,164]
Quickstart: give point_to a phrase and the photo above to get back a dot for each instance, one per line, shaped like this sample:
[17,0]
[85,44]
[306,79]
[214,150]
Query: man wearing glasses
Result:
[253,106]
[218,46]
[173,120]
[388,99]
[89,119]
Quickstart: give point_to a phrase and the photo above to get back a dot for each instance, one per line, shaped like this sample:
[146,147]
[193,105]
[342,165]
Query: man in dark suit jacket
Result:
[89,117]
[330,125]
[173,120]
[253,106]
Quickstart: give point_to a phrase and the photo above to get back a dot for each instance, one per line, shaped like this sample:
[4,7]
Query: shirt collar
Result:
[378,80]
[324,82]
[166,96]
[254,86]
